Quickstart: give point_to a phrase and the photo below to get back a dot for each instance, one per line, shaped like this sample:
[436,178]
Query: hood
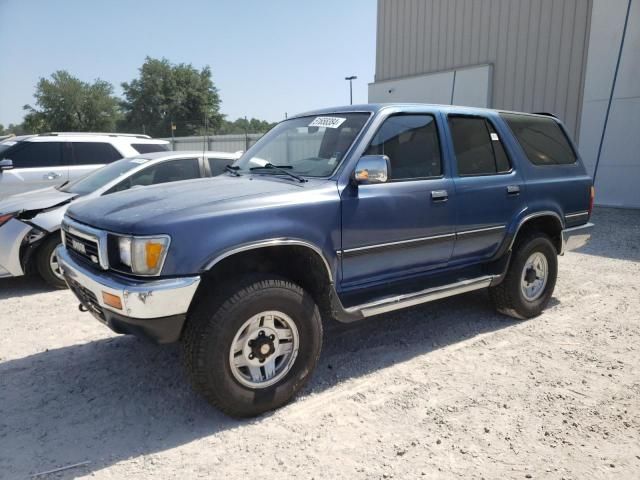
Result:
[132,210]
[35,200]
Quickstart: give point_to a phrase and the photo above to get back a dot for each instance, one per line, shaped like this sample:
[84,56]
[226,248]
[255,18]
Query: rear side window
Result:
[411,143]
[35,154]
[542,139]
[216,165]
[94,153]
[150,147]
[478,148]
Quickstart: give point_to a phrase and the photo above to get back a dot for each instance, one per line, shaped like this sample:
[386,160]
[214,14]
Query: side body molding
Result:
[275,242]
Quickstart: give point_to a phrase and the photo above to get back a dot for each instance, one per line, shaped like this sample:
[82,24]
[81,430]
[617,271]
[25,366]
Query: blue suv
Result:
[340,213]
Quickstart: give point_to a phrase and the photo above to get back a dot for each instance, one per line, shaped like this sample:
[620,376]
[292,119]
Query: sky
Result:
[267,57]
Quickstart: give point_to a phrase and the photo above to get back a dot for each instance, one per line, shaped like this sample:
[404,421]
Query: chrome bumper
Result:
[140,299]
[576,237]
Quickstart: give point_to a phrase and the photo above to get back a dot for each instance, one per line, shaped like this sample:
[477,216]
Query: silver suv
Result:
[36,161]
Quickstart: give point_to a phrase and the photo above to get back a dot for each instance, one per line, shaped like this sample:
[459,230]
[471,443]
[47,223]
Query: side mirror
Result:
[6,164]
[372,169]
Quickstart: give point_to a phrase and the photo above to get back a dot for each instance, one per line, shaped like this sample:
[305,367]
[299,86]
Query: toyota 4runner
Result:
[341,213]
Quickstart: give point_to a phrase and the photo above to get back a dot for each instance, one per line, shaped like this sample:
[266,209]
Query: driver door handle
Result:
[439,195]
[51,176]
[513,190]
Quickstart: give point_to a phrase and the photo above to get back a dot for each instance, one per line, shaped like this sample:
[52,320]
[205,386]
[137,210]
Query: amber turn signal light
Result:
[112,300]
[154,253]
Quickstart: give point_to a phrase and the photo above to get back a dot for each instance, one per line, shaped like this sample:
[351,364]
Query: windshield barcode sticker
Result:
[328,122]
[494,137]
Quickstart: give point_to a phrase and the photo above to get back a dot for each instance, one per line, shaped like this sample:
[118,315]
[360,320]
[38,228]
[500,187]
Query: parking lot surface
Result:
[446,390]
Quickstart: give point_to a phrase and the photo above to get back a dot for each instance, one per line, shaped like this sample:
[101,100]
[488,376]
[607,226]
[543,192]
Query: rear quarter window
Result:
[216,165]
[150,147]
[542,139]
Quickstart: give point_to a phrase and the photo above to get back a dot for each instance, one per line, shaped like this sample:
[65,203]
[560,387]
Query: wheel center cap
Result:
[530,276]
[262,346]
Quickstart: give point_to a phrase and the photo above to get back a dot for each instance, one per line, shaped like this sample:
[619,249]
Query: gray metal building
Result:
[577,59]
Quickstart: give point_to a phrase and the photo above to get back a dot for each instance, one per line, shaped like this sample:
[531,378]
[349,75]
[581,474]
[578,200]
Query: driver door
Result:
[35,165]
[406,225]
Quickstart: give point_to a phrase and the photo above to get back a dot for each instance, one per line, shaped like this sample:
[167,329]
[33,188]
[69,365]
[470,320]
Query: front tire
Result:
[530,280]
[47,262]
[252,349]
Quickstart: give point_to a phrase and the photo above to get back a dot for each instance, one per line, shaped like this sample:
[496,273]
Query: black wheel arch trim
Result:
[268,243]
[510,239]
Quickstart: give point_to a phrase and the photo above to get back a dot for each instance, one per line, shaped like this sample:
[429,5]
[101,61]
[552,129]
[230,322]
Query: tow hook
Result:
[82,308]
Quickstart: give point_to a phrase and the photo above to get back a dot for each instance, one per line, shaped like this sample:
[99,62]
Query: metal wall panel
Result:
[465,86]
[537,47]
[216,143]
[618,173]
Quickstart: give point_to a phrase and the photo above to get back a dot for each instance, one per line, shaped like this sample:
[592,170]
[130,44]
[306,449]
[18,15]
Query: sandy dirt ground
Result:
[446,390]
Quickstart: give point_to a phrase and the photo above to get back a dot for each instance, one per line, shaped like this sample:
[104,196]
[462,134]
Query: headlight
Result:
[124,247]
[5,218]
[145,255]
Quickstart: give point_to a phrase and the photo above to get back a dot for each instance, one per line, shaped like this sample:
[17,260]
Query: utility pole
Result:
[351,79]
[173,138]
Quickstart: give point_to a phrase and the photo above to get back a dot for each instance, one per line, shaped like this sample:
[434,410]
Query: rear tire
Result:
[530,279]
[47,262]
[251,349]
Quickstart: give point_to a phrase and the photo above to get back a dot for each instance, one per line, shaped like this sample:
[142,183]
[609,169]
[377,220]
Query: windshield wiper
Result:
[59,187]
[232,170]
[280,169]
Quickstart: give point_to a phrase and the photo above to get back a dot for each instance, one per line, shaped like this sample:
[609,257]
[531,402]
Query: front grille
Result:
[86,297]
[82,247]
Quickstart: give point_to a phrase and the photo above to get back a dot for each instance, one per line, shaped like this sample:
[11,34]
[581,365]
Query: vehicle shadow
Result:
[615,235]
[120,398]
[22,286]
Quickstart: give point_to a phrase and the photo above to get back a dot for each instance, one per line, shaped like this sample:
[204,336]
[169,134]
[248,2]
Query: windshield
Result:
[310,146]
[100,177]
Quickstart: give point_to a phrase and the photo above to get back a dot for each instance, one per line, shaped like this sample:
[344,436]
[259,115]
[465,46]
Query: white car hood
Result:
[35,200]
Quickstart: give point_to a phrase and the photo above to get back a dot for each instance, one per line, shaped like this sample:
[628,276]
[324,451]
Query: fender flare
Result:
[531,216]
[274,242]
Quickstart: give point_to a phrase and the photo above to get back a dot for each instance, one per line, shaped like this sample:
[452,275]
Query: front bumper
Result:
[12,235]
[154,309]
[576,237]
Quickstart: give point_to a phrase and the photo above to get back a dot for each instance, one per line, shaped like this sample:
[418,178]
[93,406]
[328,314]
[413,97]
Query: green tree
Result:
[165,93]
[65,103]
[242,125]
[16,129]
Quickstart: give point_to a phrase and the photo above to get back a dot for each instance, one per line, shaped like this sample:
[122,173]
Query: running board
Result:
[398,302]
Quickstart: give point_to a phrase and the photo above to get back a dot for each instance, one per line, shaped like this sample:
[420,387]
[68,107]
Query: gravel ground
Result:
[446,390]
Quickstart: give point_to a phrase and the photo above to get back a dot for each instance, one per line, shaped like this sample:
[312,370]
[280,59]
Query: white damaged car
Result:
[30,222]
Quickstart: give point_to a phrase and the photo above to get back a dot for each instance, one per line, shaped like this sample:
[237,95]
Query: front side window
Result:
[6,145]
[165,172]
[541,138]
[411,143]
[477,146]
[35,154]
[94,153]
[310,146]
